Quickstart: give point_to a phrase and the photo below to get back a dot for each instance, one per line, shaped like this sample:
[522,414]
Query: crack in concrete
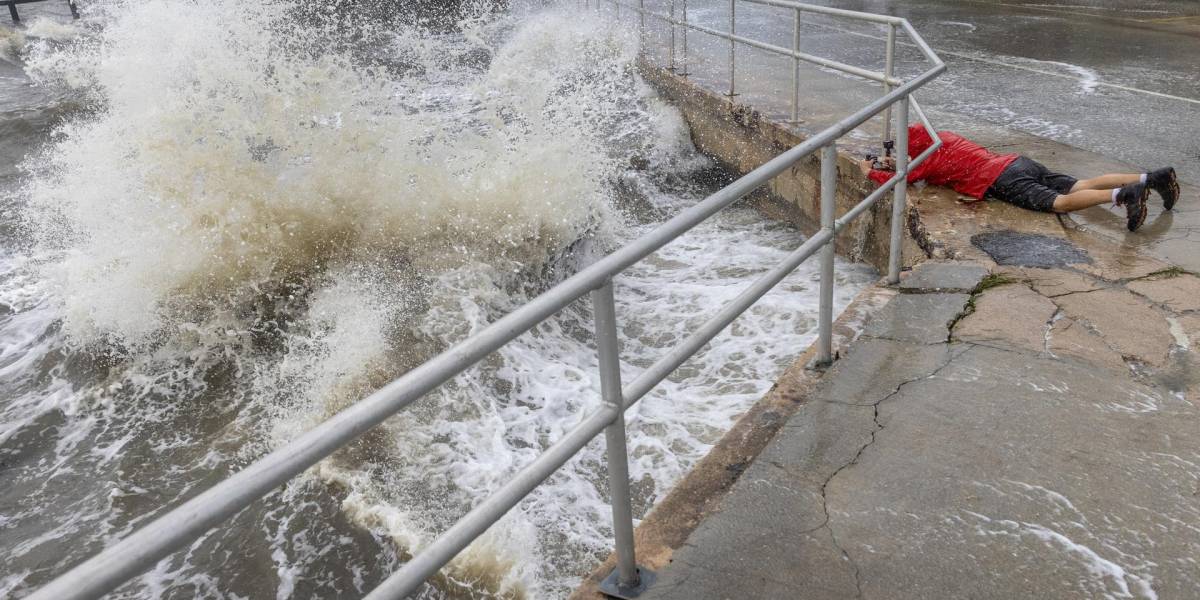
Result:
[1076,292]
[968,310]
[874,432]
[903,341]
[1058,314]
[722,570]
[1090,328]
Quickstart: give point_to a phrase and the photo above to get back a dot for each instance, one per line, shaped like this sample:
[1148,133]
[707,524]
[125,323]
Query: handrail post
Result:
[627,580]
[732,48]
[825,307]
[900,192]
[684,32]
[796,66]
[889,62]
[671,23]
[642,25]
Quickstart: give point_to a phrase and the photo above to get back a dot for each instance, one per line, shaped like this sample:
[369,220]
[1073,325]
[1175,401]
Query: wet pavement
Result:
[1031,439]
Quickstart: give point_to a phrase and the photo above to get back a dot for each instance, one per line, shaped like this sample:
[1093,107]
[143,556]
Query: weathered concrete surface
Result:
[917,318]
[1012,317]
[996,465]
[1070,340]
[1052,282]
[1128,324]
[1180,294]
[943,277]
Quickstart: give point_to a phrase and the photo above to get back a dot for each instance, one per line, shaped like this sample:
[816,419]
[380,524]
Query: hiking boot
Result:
[1133,198]
[1164,182]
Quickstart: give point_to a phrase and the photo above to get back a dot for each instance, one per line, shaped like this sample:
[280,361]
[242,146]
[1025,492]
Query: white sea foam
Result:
[243,236]
[51,29]
[12,40]
[1004,115]
[1107,576]
[1058,498]
[970,27]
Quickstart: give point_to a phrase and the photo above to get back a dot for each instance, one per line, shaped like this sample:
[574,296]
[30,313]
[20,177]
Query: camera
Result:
[878,165]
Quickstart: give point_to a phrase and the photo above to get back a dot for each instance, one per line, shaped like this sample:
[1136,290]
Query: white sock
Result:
[1143,179]
[1114,195]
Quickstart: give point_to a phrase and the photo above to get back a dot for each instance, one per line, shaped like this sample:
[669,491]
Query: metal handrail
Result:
[886,77]
[16,17]
[142,549]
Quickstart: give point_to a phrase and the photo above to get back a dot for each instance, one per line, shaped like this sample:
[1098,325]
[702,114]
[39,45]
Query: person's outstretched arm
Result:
[882,176]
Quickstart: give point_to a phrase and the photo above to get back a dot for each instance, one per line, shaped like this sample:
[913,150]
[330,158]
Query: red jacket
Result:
[967,167]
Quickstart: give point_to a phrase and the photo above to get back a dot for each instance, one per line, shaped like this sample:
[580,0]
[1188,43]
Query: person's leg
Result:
[1162,181]
[1111,181]
[1080,200]
[1132,197]
[1029,184]
[1040,197]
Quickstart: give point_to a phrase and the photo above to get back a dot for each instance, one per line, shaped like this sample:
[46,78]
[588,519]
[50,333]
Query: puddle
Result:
[1029,249]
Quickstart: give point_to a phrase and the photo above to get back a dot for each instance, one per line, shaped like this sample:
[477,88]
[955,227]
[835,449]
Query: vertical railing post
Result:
[627,580]
[796,66]
[684,32]
[642,24]
[900,192]
[825,307]
[671,22]
[732,48]
[12,12]
[889,61]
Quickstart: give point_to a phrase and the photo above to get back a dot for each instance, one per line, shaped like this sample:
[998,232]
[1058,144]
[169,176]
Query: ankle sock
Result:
[1114,196]
[1143,179]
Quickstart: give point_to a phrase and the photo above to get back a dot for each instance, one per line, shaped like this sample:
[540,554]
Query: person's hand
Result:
[889,163]
[865,166]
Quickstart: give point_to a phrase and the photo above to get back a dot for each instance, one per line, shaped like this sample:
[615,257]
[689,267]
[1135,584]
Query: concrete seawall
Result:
[741,139]
[798,523]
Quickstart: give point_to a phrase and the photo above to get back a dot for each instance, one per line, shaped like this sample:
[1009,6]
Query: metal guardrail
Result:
[16,17]
[141,550]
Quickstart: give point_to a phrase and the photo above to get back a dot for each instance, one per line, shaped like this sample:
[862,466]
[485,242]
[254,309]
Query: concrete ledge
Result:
[738,137]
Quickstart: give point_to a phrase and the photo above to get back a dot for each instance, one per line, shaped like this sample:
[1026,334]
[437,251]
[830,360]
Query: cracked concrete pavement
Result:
[1038,437]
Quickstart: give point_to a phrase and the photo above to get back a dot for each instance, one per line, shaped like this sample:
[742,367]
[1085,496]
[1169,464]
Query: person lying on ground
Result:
[974,171]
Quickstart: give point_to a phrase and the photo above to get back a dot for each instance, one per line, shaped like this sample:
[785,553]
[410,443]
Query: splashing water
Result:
[263,214]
